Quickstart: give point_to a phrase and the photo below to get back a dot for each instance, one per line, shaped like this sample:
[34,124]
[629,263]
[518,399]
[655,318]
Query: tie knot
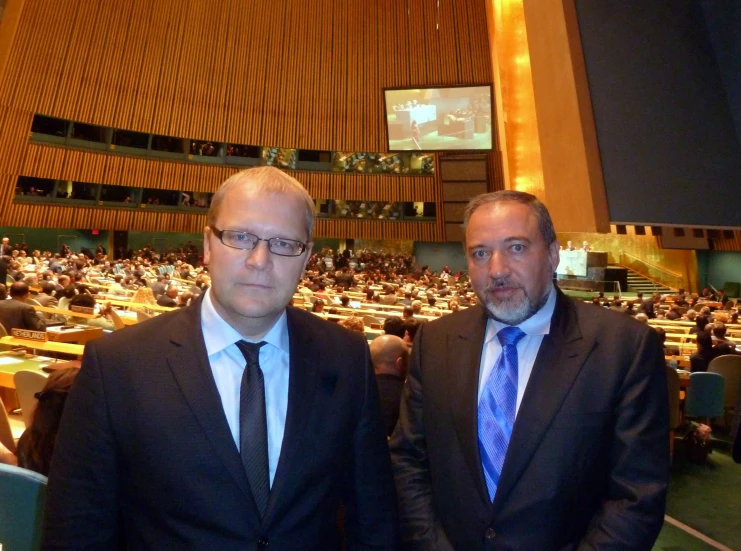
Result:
[250,350]
[510,335]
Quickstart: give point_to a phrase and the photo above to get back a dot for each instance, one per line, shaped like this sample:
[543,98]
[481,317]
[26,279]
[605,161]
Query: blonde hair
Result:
[264,179]
[353,323]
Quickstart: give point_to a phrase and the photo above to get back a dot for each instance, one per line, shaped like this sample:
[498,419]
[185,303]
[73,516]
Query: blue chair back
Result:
[22,496]
[705,396]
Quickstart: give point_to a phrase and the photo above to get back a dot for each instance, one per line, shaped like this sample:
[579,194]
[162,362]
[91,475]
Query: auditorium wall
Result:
[51,239]
[256,73]
[718,267]
[439,255]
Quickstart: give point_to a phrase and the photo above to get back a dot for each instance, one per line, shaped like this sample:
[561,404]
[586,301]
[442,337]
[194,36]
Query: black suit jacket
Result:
[15,314]
[145,457]
[587,465]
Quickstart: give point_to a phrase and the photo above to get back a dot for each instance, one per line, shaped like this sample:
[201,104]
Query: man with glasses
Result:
[236,423]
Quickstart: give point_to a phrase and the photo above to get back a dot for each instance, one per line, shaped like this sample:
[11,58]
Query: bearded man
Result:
[530,421]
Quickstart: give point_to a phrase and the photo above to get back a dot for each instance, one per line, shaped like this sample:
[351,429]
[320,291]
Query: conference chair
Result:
[705,395]
[4,333]
[6,433]
[142,316]
[675,415]
[729,366]
[368,321]
[22,496]
[27,383]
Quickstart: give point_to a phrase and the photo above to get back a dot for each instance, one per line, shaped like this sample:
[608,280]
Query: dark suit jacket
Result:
[145,457]
[15,314]
[389,388]
[587,465]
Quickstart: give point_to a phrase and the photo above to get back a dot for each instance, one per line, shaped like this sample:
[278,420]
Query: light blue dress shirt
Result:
[535,327]
[228,363]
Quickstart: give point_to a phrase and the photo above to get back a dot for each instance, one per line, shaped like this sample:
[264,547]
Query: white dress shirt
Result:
[228,363]
[527,349]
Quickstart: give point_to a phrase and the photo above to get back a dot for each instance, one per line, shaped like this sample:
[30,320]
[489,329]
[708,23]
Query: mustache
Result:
[502,282]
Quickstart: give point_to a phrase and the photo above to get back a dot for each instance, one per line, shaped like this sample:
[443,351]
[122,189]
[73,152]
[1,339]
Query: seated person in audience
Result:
[170,298]
[318,306]
[3,292]
[569,246]
[345,301]
[674,313]
[617,306]
[407,300]
[16,313]
[36,445]
[668,350]
[721,346]
[585,246]
[454,306]
[733,318]
[390,356]
[411,325]
[641,317]
[333,312]
[389,296]
[394,325]
[706,294]
[107,319]
[680,300]
[67,294]
[45,297]
[144,295]
[417,307]
[700,324]
[116,288]
[690,315]
[700,360]
[185,299]
[721,297]
[408,312]
[353,323]
[160,287]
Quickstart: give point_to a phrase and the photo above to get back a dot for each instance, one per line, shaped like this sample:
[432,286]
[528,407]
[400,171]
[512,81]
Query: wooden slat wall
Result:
[288,74]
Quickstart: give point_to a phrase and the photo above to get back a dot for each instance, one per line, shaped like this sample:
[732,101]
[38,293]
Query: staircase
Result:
[638,283]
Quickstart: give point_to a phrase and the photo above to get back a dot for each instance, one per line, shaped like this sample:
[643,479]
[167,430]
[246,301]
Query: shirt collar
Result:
[537,324]
[218,334]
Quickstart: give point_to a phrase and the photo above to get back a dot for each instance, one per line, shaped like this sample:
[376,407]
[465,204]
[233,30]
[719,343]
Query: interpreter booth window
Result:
[160,198]
[78,191]
[44,127]
[238,154]
[280,157]
[128,139]
[34,187]
[167,144]
[195,199]
[369,210]
[120,195]
[90,135]
[312,159]
[204,148]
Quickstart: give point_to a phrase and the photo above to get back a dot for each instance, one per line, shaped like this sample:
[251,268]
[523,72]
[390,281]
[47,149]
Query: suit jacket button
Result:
[262,543]
[490,534]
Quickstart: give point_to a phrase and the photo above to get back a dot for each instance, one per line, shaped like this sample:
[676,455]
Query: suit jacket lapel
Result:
[302,381]
[188,361]
[463,358]
[560,358]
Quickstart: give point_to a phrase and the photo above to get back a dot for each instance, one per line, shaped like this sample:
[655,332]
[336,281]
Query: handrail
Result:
[650,271]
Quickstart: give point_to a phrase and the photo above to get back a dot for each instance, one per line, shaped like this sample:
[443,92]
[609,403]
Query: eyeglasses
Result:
[248,241]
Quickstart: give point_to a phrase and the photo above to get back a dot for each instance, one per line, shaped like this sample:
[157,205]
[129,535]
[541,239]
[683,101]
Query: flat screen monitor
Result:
[439,119]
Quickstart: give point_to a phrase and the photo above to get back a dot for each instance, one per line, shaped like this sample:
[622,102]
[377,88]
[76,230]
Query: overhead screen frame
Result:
[441,87]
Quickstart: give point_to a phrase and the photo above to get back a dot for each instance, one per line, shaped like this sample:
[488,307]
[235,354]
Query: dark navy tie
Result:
[253,425]
[497,408]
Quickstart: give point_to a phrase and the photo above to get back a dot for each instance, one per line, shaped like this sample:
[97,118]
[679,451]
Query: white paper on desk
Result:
[7,361]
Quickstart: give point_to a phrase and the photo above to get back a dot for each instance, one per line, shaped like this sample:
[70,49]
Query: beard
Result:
[513,310]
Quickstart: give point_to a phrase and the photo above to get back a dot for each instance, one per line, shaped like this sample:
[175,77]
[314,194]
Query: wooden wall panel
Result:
[261,72]
[265,73]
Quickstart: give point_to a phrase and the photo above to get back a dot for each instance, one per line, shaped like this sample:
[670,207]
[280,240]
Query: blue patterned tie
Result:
[497,408]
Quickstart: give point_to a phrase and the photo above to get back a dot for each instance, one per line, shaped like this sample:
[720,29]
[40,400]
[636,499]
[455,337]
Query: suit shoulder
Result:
[455,321]
[152,331]
[596,319]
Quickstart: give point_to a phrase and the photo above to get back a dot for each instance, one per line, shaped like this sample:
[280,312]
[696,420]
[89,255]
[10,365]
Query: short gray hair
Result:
[545,224]
[265,179]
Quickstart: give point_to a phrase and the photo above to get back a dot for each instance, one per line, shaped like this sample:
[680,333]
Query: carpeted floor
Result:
[675,539]
[705,497]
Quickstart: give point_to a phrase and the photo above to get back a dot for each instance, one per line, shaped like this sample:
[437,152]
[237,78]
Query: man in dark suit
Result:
[390,355]
[16,314]
[530,421]
[237,423]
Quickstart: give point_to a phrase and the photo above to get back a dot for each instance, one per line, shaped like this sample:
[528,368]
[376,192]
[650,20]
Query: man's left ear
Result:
[553,252]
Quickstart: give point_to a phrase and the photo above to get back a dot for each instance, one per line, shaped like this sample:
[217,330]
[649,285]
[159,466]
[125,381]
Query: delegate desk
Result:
[73,334]
[11,363]
[46,346]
